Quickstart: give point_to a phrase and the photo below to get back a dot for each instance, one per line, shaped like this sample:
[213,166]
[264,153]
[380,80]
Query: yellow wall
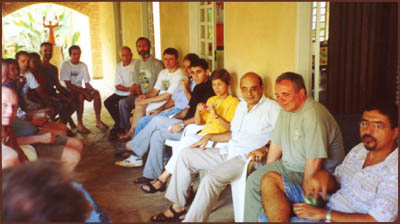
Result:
[131,24]
[259,37]
[174,26]
[107,33]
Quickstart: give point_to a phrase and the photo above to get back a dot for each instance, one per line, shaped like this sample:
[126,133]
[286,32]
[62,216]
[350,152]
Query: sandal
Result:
[142,180]
[152,188]
[162,218]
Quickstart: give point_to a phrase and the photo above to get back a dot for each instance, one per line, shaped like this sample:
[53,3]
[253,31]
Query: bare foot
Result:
[101,125]
[128,136]
[82,129]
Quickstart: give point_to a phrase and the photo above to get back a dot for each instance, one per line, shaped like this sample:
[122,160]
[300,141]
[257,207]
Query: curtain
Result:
[362,56]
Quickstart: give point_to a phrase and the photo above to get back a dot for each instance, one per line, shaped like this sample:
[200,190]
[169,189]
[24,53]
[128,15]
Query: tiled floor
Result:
[112,187]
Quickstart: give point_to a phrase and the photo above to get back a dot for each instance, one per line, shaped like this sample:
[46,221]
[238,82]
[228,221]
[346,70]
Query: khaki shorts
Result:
[54,150]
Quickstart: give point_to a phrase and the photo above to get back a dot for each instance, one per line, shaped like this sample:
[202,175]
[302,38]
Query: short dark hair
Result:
[73,47]
[222,74]
[46,44]
[34,54]
[145,39]
[171,51]
[41,191]
[200,62]
[296,79]
[19,53]
[389,109]
[10,61]
[191,57]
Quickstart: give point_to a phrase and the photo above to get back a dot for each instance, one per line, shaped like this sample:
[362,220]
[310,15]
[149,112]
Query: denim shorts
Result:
[295,194]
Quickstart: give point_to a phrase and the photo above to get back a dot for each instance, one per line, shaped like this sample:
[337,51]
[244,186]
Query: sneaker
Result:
[131,161]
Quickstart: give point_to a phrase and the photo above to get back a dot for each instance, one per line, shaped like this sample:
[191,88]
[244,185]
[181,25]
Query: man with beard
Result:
[146,72]
[60,96]
[364,187]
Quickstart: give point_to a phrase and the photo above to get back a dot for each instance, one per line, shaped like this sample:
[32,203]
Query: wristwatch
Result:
[328,216]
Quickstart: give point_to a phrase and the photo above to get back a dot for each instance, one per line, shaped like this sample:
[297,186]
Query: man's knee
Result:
[123,104]
[70,157]
[108,102]
[9,157]
[75,143]
[95,94]
[271,180]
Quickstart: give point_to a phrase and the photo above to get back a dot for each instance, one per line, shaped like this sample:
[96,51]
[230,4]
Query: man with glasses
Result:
[305,139]
[364,187]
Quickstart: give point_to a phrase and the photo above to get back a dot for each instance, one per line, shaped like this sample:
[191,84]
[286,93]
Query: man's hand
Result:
[306,211]
[21,80]
[317,183]
[185,82]
[140,100]
[176,128]
[202,143]
[155,111]
[47,138]
[257,154]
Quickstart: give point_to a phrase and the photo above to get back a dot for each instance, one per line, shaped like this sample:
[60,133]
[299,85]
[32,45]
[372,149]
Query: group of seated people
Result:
[306,176]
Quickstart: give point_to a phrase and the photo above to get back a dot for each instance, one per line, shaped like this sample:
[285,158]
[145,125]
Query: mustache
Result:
[367,136]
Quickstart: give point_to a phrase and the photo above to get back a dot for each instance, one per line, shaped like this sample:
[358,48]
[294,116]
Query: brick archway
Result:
[90,9]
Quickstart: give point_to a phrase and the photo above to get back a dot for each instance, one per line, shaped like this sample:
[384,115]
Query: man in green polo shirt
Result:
[305,139]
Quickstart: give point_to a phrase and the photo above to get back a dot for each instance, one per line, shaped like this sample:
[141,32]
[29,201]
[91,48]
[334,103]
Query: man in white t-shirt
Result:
[124,85]
[167,82]
[72,72]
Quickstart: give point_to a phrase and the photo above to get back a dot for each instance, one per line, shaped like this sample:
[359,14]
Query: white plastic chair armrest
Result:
[238,188]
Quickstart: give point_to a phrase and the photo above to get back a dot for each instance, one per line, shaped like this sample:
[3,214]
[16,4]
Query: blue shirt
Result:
[179,96]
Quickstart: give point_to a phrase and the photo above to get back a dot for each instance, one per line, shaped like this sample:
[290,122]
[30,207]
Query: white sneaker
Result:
[131,161]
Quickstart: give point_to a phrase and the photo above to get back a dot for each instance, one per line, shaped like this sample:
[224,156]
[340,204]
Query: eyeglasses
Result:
[375,125]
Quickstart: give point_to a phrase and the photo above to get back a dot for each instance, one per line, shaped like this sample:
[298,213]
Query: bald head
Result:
[126,55]
[252,88]
[252,75]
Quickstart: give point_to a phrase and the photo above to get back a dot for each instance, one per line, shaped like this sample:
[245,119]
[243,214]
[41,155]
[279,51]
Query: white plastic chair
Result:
[189,130]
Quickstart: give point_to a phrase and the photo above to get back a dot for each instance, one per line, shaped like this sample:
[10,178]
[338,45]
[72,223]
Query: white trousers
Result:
[221,173]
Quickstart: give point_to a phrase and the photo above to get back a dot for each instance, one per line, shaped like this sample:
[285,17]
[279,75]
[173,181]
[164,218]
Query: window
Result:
[324,20]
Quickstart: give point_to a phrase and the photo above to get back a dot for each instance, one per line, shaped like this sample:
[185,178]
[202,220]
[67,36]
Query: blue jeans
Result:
[97,215]
[146,119]
[294,193]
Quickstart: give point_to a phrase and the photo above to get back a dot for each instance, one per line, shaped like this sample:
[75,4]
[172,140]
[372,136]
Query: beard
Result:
[144,53]
[367,146]
[48,56]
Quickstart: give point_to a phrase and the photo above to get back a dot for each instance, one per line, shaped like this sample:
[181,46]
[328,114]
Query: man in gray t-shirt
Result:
[305,138]
[146,72]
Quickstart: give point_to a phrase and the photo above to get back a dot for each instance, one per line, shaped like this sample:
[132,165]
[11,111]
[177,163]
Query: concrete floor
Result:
[112,187]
